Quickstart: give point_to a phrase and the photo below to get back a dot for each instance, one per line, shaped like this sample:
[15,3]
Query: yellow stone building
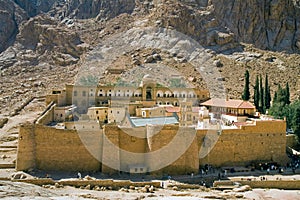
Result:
[148,129]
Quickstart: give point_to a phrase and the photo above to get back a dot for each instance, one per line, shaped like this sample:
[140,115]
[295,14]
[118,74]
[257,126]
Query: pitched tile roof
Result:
[230,103]
[172,109]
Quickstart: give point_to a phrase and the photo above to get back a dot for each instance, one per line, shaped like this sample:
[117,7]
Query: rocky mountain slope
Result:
[45,43]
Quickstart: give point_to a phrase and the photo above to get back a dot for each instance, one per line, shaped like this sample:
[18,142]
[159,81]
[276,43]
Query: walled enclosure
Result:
[262,141]
[48,148]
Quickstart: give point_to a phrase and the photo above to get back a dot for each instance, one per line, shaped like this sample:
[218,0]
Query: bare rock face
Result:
[191,18]
[84,9]
[34,7]
[216,24]
[10,17]
[43,33]
[43,39]
[267,24]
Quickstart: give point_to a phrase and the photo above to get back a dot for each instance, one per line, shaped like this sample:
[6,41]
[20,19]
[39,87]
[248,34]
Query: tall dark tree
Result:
[256,93]
[267,93]
[287,94]
[246,94]
[275,97]
[281,96]
[261,96]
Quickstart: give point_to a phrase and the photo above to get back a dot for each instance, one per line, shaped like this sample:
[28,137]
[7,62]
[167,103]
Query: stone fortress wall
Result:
[49,148]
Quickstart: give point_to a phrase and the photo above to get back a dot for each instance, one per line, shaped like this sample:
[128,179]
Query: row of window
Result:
[140,95]
[97,112]
[166,95]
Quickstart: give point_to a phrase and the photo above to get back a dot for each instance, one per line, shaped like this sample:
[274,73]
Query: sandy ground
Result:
[15,190]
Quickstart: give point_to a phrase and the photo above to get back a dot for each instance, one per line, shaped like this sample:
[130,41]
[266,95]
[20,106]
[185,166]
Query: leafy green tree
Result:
[295,121]
[281,96]
[88,80]
[246,94]
[177,83]
[256,93]
[282,108]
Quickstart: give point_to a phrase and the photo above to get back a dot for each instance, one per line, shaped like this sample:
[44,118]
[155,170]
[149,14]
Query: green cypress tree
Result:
[287,94]
[256,93]
[275,98]
[261,96]
[281,94]
[267,93]
[246,94]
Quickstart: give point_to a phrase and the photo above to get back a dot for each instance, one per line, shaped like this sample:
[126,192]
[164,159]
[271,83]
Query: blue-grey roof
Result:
[154,121]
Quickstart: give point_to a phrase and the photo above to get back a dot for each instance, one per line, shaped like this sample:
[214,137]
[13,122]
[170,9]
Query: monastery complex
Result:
[148,129]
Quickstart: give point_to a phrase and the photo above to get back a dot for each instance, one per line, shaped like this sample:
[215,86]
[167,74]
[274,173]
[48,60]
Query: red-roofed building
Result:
[171,109]
[230,107]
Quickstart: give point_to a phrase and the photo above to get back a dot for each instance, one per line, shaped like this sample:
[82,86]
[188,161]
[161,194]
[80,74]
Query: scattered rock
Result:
[4,157]
[218,63]
[220,79]
[151,189]
[89,178]
[149,59]
[3,121]
[243,188]
[88,187]
[175,188]
[156,56]
[239,196]
[136,62]
[18,175]
[144,190]
[96,188]
[192,79]
[57,185]
[52,187]
[132,187]
[271,59]
[46,186]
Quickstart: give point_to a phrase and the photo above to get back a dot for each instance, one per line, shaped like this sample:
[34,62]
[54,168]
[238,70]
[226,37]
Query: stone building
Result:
[147,95]
[149,129]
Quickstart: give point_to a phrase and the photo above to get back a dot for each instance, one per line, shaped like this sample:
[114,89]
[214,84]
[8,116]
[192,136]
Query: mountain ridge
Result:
[51,40]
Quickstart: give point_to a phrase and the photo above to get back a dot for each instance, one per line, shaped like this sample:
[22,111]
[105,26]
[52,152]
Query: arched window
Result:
[148,93]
